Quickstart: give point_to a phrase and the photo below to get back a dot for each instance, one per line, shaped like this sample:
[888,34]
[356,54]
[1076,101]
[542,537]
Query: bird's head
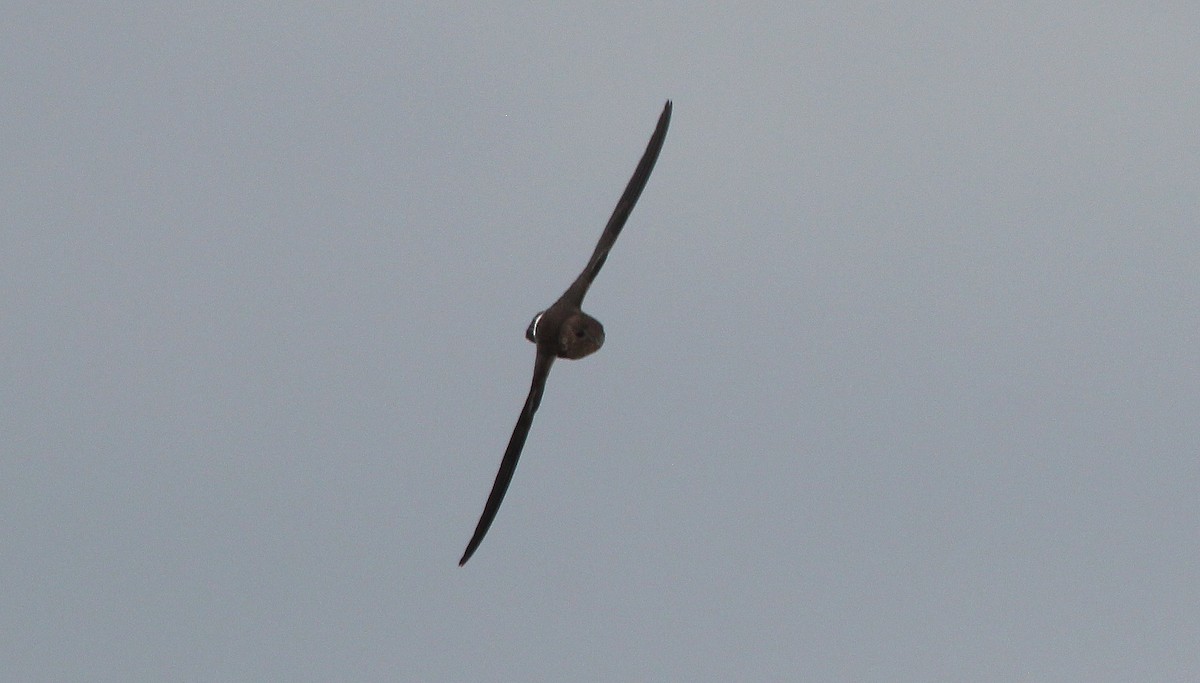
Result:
[580,335]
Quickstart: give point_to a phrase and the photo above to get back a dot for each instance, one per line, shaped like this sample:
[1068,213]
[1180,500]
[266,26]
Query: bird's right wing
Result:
[541,369]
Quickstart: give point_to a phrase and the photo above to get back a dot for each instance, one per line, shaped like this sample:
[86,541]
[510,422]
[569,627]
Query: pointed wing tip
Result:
[476,540]
[660,131]
[468,552]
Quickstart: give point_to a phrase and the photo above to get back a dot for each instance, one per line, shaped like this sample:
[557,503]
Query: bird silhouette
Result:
[565,331]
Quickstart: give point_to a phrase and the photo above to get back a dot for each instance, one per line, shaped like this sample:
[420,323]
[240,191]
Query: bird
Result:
[564,331]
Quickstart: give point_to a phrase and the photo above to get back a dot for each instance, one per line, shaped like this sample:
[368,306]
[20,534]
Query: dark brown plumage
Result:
[565,331]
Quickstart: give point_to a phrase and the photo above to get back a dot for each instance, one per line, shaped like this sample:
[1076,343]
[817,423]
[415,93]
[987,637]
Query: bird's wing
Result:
[620,214]
[541,369]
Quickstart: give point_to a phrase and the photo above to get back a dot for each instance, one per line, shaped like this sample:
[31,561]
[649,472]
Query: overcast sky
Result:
[901,379]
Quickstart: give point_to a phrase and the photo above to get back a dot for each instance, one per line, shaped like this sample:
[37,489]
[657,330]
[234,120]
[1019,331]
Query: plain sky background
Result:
[902,371]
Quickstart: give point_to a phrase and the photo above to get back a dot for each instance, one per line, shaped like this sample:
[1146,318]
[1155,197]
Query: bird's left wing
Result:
[620,214]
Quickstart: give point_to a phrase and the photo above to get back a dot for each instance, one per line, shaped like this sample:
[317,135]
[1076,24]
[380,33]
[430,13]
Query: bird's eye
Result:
[578,333]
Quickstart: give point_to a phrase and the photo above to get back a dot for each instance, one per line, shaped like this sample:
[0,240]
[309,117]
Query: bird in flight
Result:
[565,331]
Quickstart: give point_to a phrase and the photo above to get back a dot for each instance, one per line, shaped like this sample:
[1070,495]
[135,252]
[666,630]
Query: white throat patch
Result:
[537,319]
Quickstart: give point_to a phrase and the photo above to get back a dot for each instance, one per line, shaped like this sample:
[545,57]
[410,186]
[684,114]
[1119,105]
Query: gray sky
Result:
[900,381]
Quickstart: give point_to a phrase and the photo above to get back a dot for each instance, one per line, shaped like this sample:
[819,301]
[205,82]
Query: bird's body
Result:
[564,331]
